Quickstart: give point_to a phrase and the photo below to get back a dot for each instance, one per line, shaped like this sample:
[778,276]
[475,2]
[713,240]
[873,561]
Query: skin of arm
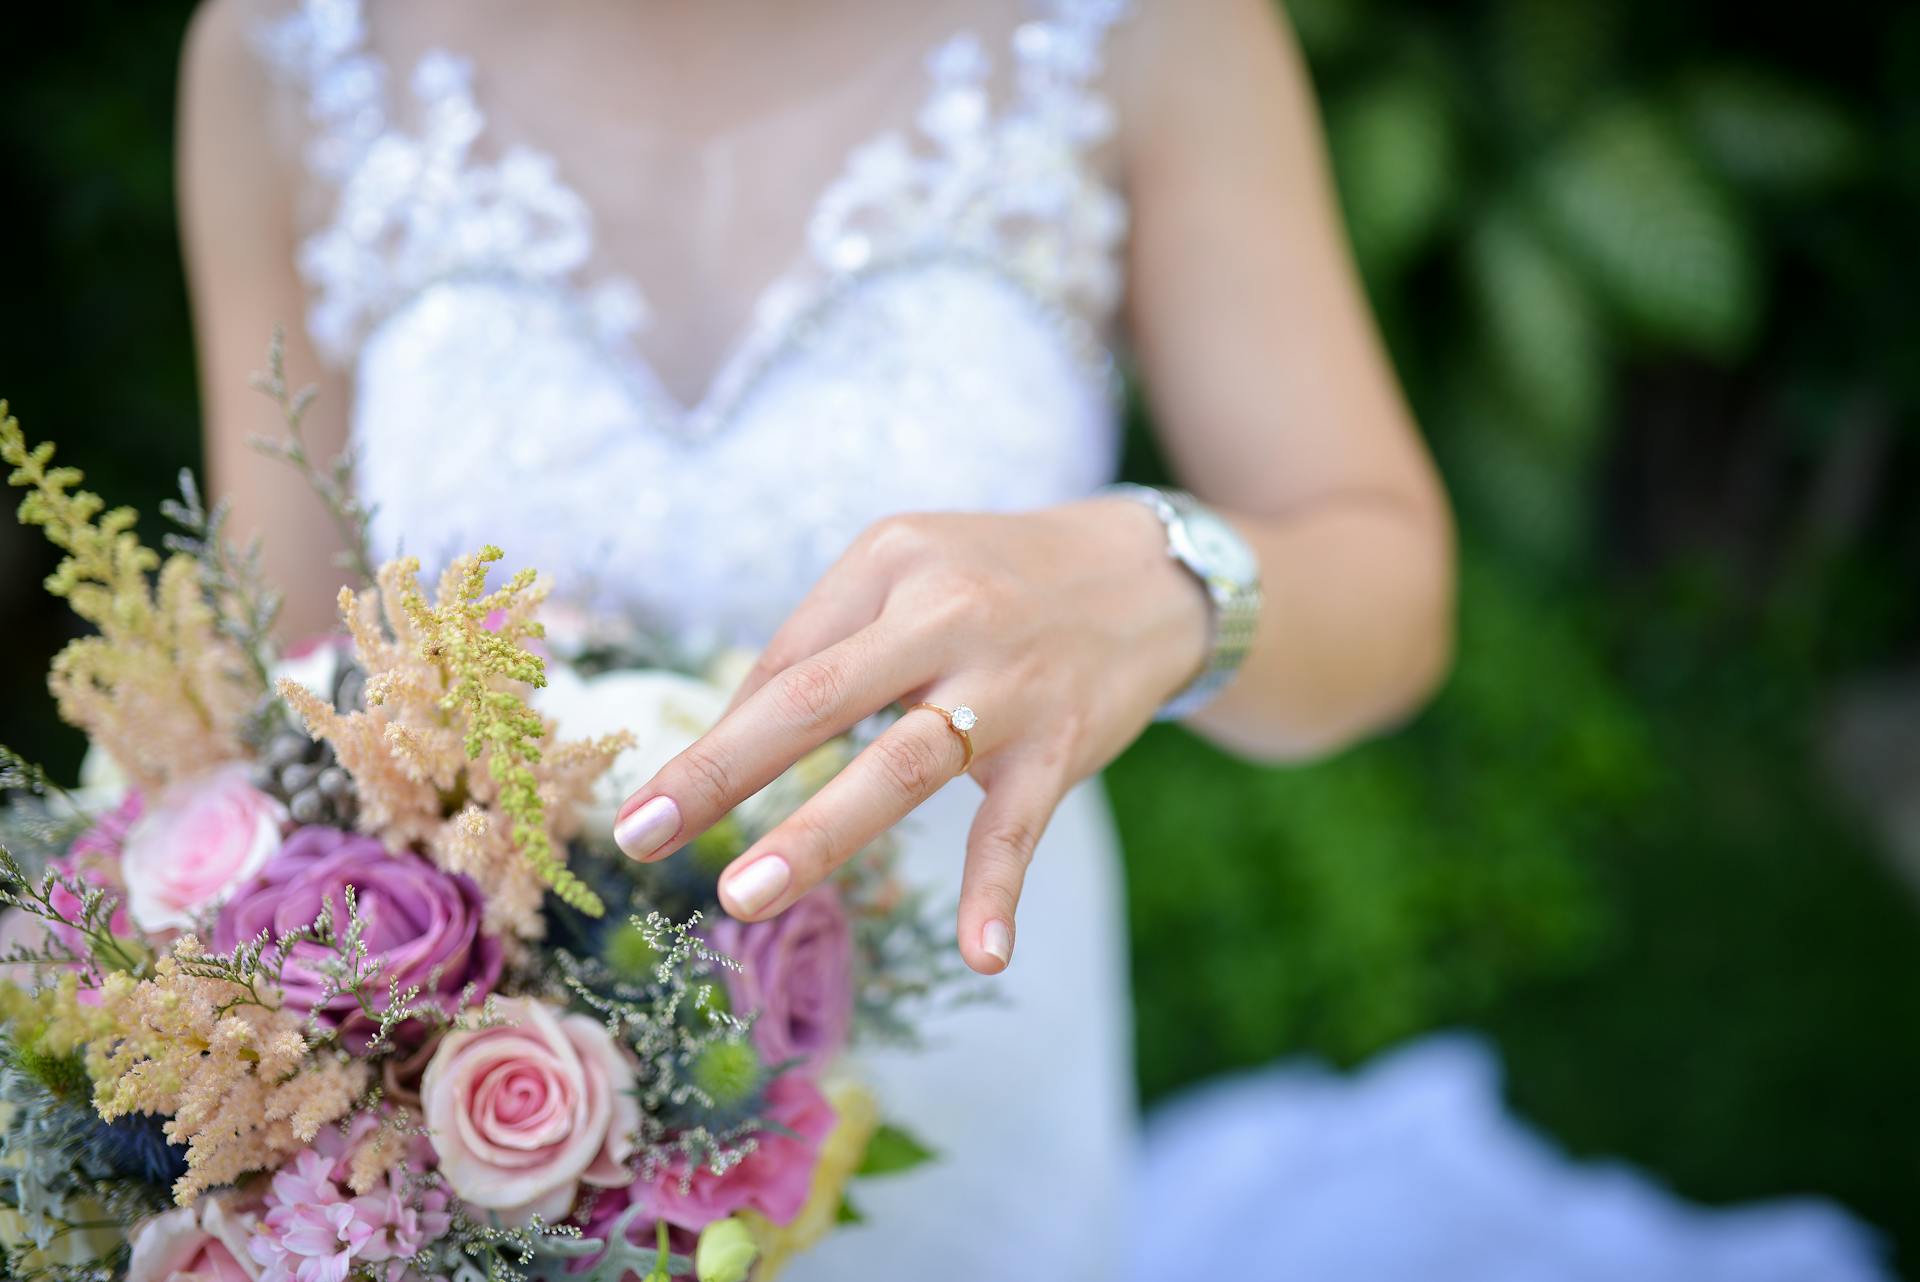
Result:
[1262,364]
[238,236]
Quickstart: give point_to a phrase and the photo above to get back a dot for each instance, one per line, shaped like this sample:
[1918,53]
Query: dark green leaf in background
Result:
[1657,237]
[1548,59]
[1393,147]
[1770,132]
[1542,335]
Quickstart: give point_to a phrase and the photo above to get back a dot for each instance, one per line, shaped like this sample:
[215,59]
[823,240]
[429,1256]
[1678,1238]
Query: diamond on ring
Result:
[959,720]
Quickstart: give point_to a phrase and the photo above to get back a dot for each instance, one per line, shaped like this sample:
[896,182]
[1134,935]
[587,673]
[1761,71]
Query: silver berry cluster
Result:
[302,772]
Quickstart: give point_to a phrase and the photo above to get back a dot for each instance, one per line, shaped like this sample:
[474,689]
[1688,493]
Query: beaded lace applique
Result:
[1010,186]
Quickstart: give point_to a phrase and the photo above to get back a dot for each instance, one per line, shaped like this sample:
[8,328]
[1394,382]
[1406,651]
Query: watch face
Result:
[1219,549]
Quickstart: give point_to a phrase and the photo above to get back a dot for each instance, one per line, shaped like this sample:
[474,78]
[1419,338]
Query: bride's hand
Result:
[1063,629]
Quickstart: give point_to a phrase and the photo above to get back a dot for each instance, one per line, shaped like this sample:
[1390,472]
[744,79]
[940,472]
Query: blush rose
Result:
[204,1243]
[194,844]
[523,1113]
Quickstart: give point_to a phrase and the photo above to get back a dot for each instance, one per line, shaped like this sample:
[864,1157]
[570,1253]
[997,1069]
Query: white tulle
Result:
[1411,1170]
[938,344]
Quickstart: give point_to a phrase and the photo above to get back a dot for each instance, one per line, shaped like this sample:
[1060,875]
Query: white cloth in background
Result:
[1412,1170]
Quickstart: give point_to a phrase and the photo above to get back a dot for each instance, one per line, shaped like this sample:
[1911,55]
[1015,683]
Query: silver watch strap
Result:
[1235,613]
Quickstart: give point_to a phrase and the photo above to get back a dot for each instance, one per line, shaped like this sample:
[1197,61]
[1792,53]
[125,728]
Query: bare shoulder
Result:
[219,44]
[227,140]
[224,87]
[236,167]
[1177,64]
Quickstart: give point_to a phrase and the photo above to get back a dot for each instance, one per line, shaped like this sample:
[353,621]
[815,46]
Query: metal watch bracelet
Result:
[1232,592]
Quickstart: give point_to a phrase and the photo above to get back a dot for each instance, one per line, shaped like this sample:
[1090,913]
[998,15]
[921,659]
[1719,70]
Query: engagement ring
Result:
[960,720]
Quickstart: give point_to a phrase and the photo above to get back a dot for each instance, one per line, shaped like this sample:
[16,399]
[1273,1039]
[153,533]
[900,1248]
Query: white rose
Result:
[664,711]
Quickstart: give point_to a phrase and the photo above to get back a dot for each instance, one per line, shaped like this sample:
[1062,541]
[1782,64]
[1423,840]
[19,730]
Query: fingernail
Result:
[758,884]
[648,828]
[997,941]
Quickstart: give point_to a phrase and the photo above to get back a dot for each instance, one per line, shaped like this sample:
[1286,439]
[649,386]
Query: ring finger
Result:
[916,757]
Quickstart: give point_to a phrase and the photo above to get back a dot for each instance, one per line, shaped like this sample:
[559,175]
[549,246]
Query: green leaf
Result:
[1658,238]
[1533,494]
[1543,339]
[1549,57]
[848,1213]
[1769,132]
[892,1150]
[1393,144]
[623,1257]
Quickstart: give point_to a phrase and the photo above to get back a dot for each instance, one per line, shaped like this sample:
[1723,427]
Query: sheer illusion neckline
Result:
[971,179]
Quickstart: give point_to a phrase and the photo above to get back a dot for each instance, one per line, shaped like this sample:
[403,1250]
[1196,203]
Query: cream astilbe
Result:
[239,1084]
[479,840]
[383,1150]
[160,687]
[478,843]
[405,755]
[446,754]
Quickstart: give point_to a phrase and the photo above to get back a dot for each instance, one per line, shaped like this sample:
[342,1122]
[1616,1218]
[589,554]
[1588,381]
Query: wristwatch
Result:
[1214,553]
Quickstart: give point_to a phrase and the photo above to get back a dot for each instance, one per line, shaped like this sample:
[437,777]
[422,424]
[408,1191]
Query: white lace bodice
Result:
[940,344]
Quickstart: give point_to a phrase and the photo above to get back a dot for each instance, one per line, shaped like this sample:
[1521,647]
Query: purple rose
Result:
[797,973]
[421,924]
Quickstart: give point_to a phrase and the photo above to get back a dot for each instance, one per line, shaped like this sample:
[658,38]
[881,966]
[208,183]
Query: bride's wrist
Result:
[1168,610]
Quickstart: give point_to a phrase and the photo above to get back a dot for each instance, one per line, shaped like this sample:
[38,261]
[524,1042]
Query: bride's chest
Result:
[936,343]
[491,411]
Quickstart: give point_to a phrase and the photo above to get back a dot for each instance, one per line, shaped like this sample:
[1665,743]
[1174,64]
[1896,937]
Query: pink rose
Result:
[520,1115]
[199,1243]
[795,977]
[195,844]
[774,1179]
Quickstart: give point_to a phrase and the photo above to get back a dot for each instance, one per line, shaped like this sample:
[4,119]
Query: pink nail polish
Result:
[758,884]
[997,941]
[647,828]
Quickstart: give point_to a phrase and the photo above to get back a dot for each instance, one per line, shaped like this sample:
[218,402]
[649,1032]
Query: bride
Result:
[795,324]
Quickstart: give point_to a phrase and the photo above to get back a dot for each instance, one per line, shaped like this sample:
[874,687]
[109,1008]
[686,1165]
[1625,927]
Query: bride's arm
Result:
[1265,373]
[237,226]
[1066,628]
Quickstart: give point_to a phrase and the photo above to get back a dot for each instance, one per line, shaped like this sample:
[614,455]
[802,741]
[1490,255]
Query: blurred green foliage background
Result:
[1647,272]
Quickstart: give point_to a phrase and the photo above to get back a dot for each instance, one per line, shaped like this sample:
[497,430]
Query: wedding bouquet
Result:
[328,972]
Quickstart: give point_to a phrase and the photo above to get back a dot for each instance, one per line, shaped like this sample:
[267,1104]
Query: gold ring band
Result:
[960,720]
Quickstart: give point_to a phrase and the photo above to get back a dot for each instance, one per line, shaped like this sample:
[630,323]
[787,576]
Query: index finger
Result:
[781,722]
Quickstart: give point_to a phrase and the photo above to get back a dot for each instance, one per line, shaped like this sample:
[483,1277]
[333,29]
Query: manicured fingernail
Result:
[647,828]
[997,941]
[758,884]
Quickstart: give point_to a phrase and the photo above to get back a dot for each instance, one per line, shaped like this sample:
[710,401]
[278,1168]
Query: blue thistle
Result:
[134,1147]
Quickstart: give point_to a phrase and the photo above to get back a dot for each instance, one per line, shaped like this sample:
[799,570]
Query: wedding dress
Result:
[937,344]
[943,244]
